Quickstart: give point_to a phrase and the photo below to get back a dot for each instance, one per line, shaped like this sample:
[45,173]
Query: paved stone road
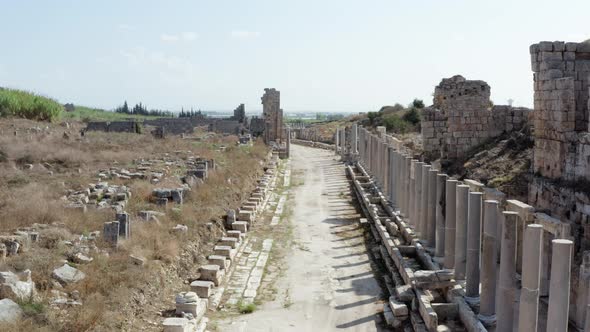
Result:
[328,284]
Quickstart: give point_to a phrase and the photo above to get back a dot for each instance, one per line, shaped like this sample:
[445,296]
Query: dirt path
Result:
[327,282]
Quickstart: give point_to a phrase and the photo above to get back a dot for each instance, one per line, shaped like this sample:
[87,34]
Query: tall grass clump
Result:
[28,105]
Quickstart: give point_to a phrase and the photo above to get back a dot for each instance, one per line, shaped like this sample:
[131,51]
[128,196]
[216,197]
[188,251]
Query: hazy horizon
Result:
[329,56]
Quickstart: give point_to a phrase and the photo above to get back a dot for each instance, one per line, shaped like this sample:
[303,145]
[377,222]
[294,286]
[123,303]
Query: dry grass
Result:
[114,289]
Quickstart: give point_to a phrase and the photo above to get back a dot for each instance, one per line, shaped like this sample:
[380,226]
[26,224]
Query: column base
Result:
[487,320]
[472,301]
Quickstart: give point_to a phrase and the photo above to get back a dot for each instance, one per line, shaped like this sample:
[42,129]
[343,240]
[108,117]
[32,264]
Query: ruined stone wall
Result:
[462,117]
[240,114]
[561,85]
[114,127]
[273,115]
[176,126]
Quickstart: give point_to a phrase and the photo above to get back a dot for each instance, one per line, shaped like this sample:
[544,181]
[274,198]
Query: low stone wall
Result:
[115,127]
[313,144]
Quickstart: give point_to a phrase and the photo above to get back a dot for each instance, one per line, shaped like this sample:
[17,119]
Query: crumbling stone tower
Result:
[273,115]
[240,114]
[463,117]
[561,85]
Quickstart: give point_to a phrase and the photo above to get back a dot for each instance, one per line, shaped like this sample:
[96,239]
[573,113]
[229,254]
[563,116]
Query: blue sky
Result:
[322,55]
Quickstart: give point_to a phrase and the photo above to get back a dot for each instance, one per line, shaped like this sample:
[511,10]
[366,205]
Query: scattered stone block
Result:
[203,288]
[181,229]
[246,216]
[80,258]
[67,274]
[18,287]
[162,202]
[124,225]
[399,309]
[137,260]
[10,311]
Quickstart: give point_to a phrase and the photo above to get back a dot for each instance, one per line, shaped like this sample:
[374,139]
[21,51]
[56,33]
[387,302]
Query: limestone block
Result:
[229,241]
[202,288]
[187,302]
[399,309]
[220,261]
[176,324]
[235,234]
[10,311]
[241,226]
[211,273]
[18,287]
[222,251]
[67,274]
[245,215]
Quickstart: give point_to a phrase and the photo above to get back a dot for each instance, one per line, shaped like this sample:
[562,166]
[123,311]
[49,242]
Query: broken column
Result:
[424,202]
[489,259]
[124,225]
[461,213]
[391,171]
[111,233]
[337,141]
[507,282]
[531,272]
[473,247]
[406,188]
[412,214]
[431,208]
[450,221]
[418,195]
[441,180]
[559,287]
[353,138]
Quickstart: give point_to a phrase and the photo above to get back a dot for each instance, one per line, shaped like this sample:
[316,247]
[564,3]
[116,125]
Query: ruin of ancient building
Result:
[273,115]
[462,117]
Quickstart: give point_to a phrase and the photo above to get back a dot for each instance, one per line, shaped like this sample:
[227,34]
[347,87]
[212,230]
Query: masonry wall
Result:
[273,115]
[462,117]
[561,84]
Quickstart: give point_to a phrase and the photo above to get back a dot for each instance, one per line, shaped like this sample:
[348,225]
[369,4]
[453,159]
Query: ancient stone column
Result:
[587,324]
[441,181]
[489,259]
[418,196]
[461,231]
[531,272]
[343,141]
[559,286]
[431,209]
[391,171]
[398,172]
[473,247]
[336,140]
[424,203]
[406,175]
[412,191]
[402,184]
[450,222]
[583,288]
[507,282]
[353,138]
[385,172]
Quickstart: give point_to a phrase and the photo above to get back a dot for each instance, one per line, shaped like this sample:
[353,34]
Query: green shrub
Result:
[412,116]
[396,124]
[28,105]
[418,103]
[244,308]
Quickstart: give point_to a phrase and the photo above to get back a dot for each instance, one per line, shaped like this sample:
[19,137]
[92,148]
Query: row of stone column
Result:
[463,230]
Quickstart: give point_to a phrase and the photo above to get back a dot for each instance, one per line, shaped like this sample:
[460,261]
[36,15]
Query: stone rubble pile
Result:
[99,195]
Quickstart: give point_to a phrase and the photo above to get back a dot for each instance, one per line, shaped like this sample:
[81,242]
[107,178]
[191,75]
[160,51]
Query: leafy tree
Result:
[418,103]
[395,123]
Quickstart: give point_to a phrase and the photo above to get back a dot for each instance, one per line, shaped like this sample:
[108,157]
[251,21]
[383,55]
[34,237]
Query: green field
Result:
[83,113]
[28,105]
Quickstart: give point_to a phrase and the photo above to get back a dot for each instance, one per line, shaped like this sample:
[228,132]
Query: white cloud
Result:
[244,34]
[184,36]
